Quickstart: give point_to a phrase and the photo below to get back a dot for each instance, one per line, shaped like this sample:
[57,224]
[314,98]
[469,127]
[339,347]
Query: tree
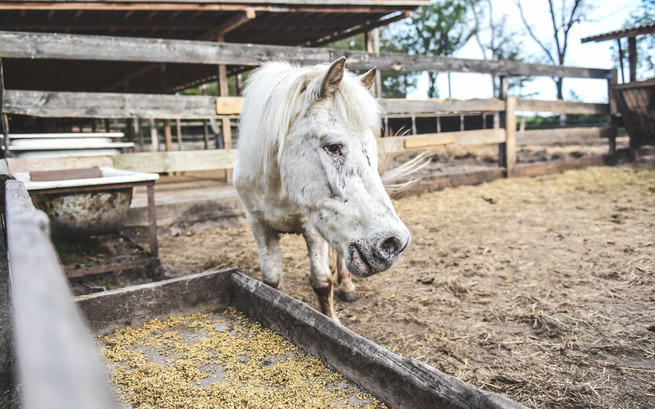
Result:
[395,84]
[562,18]
[440,29]
[494,40]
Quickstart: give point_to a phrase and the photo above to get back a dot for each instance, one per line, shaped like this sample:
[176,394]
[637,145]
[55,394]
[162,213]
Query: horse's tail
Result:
[401,176]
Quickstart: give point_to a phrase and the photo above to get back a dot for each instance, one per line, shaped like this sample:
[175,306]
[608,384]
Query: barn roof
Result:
[276,22]
[624,32]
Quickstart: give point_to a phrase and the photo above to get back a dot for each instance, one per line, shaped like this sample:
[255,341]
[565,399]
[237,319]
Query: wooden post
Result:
[632,58]
[510,135]
[611,82]
[154,137]
[178,128]
[205,130]
[168,139]
[618,42]
[223,91]
[413,124]
[378,73]
[152,219]
[461,122]
[129,129]
[499,121]
[139,135]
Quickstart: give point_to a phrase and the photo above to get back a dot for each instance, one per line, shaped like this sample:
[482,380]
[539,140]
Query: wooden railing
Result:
[127,105]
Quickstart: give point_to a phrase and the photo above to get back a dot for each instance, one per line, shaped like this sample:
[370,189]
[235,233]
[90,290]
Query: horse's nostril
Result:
[391,246]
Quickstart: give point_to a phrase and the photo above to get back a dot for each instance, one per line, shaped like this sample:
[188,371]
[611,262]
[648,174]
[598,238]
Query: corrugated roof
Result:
[624,32]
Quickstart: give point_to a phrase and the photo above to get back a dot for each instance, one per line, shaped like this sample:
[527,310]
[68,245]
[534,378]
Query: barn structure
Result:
[634,99]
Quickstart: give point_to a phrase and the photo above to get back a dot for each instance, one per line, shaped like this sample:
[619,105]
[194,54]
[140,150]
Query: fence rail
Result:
[106,48]
[127,105]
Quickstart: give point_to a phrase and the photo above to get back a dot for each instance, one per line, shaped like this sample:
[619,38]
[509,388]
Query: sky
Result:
[606,15]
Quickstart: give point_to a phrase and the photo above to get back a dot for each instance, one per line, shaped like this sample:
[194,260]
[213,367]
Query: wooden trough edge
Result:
[402,383]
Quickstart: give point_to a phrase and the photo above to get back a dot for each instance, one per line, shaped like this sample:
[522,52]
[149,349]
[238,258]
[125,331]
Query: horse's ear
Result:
[368,78]
[333,77]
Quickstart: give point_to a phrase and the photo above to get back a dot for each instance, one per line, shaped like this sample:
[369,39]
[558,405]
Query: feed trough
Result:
[389,378]
[57,358]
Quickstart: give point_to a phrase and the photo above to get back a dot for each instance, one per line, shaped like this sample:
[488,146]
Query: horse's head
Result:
[328,167]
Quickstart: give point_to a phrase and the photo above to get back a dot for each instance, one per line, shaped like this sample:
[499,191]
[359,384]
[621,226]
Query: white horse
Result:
[307,164]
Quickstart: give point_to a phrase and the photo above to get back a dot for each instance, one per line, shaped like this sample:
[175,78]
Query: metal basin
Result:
[84,206]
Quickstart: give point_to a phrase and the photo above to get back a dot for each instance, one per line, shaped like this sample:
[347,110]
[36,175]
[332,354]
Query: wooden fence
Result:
[125,105]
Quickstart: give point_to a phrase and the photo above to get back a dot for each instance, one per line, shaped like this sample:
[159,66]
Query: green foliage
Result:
[441,28]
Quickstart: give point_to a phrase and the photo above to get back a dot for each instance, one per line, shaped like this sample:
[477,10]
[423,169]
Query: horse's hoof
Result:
[348,296]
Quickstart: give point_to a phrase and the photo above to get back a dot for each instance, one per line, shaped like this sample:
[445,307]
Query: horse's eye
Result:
[334,149]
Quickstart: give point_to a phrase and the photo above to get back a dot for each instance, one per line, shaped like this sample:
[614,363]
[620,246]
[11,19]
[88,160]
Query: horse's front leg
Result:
[320,276]
[346,289]
[270,256]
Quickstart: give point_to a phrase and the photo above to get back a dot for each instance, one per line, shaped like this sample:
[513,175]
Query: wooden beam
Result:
[352,6]
[56,357]
[107,105]
[398,105]
[427,140]
[559,106]
[230,24]
[176,161]
[103,48]
[563,135]
[474,137]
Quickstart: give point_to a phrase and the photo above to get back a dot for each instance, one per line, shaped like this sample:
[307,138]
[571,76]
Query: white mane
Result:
[276,94]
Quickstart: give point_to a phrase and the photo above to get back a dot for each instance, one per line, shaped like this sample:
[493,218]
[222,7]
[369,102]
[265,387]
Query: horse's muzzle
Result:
[377,254]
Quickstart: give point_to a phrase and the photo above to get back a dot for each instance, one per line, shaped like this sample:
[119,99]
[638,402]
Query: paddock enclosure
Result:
[529,281]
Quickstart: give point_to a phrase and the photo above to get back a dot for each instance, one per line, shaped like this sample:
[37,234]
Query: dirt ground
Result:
[540,289]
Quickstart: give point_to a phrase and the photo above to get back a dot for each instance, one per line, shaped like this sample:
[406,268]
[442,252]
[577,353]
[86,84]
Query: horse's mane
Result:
[277,93]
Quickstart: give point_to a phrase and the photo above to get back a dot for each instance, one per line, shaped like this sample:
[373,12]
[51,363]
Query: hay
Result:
[539,289]
[221,360]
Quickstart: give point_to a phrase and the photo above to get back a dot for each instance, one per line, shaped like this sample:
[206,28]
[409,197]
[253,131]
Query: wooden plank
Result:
[57,359]
[559,106]
[401,383]
[176,161]
[107,105]
[115,105]
[399,105]
[480,136]
[229,105]
[65,174]
[392,144]
[426,140]
[563,135]
[66,135]
[132,306]
[41,164]
[105,48]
